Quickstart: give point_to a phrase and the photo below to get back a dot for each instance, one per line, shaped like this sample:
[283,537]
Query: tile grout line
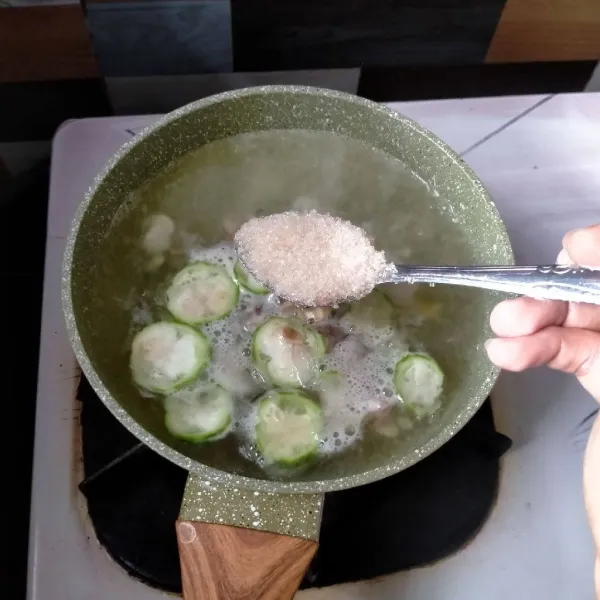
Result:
[506,125]
[593,83]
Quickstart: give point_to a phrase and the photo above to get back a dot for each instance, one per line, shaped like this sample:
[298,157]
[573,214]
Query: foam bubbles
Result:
[350,388]
[222,254]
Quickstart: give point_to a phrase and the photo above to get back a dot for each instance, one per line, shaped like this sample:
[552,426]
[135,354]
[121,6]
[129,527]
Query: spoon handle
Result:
[550,282]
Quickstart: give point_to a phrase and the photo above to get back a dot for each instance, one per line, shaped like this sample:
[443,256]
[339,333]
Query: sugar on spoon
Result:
[314,259]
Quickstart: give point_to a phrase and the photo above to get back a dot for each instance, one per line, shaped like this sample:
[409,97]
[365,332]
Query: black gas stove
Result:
[410,519]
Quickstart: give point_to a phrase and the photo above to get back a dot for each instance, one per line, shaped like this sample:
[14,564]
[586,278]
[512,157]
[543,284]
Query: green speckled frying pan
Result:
[242,535]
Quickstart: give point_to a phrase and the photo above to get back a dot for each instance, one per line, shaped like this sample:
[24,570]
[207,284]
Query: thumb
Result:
[570,350]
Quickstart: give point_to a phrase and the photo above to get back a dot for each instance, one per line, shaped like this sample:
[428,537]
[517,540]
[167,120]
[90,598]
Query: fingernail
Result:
[563,258]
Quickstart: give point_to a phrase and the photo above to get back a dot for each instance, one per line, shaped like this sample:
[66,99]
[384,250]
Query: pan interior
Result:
[220,162]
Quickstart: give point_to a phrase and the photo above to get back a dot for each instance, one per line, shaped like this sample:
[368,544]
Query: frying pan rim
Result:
[210,473]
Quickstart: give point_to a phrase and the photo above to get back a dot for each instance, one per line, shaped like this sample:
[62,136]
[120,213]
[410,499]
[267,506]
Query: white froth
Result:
[360,385]
[310,258]
[222,254]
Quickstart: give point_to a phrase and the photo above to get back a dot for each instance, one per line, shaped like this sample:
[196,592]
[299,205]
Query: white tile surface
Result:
[65,560]
[536,544]
[464,122]
[544,173]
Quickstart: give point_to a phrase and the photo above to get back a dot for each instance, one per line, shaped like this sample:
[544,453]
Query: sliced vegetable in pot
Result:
[285,351]
[419,380]
[247,281]
[332,333]
[316,341]
[166,356]
[199,415]
[202,292]
[288,426]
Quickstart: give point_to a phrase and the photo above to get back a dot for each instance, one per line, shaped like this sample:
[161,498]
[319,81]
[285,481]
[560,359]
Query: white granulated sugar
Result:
[310,258]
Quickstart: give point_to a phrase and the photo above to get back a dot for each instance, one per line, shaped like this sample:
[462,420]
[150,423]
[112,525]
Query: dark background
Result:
[64,59]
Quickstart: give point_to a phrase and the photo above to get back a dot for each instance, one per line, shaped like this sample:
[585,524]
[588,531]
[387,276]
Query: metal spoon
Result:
[549,282]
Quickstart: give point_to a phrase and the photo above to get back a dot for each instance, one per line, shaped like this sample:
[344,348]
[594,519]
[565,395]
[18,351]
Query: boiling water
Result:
[364,356]
[210,192]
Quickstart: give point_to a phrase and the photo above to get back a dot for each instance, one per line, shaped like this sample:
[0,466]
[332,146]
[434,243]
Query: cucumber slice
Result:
[316,341]
[198,415]
[166,356]
[419,380]
[285,352]
[288,427]
[247,281]
[201,293]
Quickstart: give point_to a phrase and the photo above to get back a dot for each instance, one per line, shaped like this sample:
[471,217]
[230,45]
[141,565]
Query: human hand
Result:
[564,336]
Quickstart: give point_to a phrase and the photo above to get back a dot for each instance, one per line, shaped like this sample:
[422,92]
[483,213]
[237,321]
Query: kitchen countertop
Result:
[539,156]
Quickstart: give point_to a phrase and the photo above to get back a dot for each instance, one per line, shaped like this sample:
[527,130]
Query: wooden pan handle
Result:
[223,562]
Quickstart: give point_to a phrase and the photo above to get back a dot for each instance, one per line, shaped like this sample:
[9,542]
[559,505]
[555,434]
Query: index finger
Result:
[583,246]
[524,316]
